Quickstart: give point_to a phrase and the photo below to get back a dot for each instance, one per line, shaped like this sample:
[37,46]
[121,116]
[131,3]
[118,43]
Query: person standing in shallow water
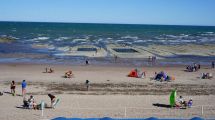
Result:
[24,85]
[212,64]
[87,62]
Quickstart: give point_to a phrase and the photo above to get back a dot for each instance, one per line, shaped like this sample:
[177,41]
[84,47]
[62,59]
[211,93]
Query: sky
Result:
[169,12]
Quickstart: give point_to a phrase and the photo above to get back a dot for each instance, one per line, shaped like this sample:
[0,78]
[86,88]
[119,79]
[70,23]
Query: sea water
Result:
[58,37]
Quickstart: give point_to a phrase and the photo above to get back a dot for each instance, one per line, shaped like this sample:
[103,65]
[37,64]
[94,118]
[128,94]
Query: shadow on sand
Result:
[11,93]
[161,105]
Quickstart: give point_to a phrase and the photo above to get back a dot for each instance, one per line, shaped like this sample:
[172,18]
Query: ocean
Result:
[53,36]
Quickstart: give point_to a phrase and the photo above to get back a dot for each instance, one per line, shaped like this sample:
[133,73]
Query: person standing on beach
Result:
[52,97]
[24,85]
[212,64]
[13,87]
[87,84]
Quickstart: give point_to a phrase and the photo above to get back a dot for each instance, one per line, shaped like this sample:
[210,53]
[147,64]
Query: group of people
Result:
[193,68]
[49,70]
[207,75]
[181,103]
[162,76]
[13,88]
[31,103]
[152,59]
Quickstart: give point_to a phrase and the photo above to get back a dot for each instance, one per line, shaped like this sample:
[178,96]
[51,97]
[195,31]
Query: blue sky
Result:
[177,12]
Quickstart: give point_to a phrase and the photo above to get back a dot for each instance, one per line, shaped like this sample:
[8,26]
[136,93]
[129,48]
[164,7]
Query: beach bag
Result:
[172,78]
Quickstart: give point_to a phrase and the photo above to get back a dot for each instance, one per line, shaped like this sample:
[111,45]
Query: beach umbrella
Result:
[172,98]
[197,118]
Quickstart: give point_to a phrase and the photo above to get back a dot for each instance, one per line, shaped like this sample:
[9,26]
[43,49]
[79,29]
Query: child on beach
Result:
[24,85]
[13,87]
[190,103]
[31,102]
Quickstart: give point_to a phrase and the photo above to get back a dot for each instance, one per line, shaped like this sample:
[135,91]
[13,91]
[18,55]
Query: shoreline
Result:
[110,61]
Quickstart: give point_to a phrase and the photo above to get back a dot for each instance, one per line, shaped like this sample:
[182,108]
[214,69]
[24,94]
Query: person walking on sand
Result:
[13,87]
[24,85]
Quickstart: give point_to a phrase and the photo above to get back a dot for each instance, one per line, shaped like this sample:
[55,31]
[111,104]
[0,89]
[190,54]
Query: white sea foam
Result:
[66,48]
[130,37]
[109,38]
[43,38]
[209,32]
[148,40]
[79,40]
[139,41]
[120,40]
[187,41]
[84,42]
[171,36]
[62,38]
[38,39]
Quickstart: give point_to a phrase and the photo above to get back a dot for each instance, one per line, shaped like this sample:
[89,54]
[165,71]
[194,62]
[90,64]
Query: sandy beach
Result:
[111,92]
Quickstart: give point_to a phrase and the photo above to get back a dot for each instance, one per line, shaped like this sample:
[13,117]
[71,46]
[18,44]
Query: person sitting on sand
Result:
[49,71]
[31,102]
[161,76]
[13,87]
[52,97]
[182,102]
[158,76]
[143,75]
[207,76]
[68,74]
[25,103]
[190,103]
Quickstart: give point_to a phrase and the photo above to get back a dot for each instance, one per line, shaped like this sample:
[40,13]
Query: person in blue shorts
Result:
[24,85]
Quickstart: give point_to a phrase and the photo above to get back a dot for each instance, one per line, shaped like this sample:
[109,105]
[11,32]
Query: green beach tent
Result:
[172,98]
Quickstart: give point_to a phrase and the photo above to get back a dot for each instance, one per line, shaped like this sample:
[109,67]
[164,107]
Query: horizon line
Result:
[106,23]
